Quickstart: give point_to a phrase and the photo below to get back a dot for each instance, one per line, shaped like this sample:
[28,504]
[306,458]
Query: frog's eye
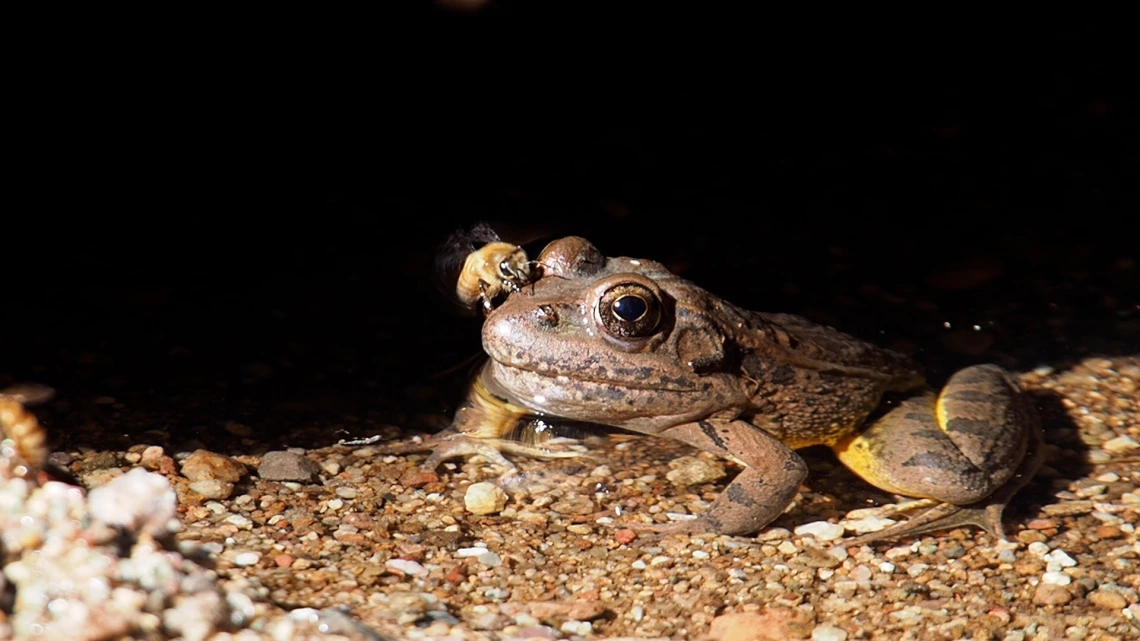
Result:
[629,311]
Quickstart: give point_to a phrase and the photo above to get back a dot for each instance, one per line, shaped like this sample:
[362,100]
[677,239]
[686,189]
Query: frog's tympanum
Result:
[626,343]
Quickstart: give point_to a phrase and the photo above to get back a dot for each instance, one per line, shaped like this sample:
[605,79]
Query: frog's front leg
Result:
[481,427]
[972,447]
[758,495]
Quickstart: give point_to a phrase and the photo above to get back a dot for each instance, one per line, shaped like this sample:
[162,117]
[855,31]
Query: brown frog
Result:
[625,343]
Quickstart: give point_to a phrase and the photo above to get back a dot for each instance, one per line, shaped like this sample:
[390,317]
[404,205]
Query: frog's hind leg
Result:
[972,448]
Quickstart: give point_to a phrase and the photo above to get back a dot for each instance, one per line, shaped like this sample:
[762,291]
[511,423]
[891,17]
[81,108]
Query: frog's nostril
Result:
[546,315]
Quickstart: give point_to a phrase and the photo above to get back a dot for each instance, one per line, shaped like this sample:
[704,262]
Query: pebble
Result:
[464,553]
[692,470]
[204,465]
[828,633]
[286,466]
[868,524]
[1108,600]
[405,566]
[820,530]
[484,498]
[212,488]
[1120,444]
[1056,578]
[489,559]
[1050,594]
[1061,558]
[246,559]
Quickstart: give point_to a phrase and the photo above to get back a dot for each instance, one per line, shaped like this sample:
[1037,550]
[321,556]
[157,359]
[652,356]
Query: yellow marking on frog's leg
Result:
[756,496]
[972,448]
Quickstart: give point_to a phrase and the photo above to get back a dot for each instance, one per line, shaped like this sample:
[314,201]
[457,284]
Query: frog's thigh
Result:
[757,495]
[957,448]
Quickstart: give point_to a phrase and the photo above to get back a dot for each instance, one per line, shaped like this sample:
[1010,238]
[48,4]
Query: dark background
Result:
[238,223]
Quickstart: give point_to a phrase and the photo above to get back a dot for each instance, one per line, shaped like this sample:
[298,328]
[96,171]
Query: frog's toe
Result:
[945,516]
[695,525]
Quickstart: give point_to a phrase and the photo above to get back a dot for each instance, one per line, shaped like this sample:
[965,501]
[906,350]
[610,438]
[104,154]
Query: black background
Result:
[230,215]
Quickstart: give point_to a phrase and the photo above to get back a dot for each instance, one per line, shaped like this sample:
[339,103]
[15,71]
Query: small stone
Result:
[820,530]
[1056,578]
[286,466]
[828,633]
[771,625]
[239,521]
[1120,444]
[625,536]
[868,524]
[1108,600]
[1049,594]
[204,465]
[692,470]
[1109,532]
[1061,558]
[405,566]
[1108,477]
[489,559]
[578,505]
[346,492]
[484,498]
[246,559]
[283,560]
[464,553]
[579,528]
[212,488]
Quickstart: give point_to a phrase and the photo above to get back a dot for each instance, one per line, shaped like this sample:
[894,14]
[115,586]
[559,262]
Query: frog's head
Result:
[619,341]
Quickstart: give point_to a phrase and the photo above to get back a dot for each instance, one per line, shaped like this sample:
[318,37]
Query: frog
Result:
[625,343]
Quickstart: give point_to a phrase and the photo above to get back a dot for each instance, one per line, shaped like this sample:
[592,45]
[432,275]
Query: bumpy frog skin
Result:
[626,343]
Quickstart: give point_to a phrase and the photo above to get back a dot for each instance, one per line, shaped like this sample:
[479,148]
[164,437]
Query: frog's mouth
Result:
[641,379]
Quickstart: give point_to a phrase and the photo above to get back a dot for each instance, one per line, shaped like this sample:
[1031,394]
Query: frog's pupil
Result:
[629,308]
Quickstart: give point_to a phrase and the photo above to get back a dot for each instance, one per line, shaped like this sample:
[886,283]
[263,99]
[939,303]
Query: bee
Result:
[491,268]
[491,271]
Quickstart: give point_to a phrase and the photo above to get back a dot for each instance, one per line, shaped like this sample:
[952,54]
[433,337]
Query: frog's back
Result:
[813,383]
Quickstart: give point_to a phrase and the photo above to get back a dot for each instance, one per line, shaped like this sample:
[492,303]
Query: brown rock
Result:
[1108,600]
[774,624]
[204,465]
[286,466]
[1049,594]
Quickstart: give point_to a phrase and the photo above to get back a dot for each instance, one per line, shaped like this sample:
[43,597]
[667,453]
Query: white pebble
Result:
[1061,558]
[484,498]
[700,554]
[916,569]
[868,524]
[638,565]
[464,553]
[404,566]
[1037,548]
[1056,578]
[246,559]
[1122,443]
[240,521]
[820,530]
[1108,477]
[580,628]
[335,504]
[886,567]
[828,633]
[489,559]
